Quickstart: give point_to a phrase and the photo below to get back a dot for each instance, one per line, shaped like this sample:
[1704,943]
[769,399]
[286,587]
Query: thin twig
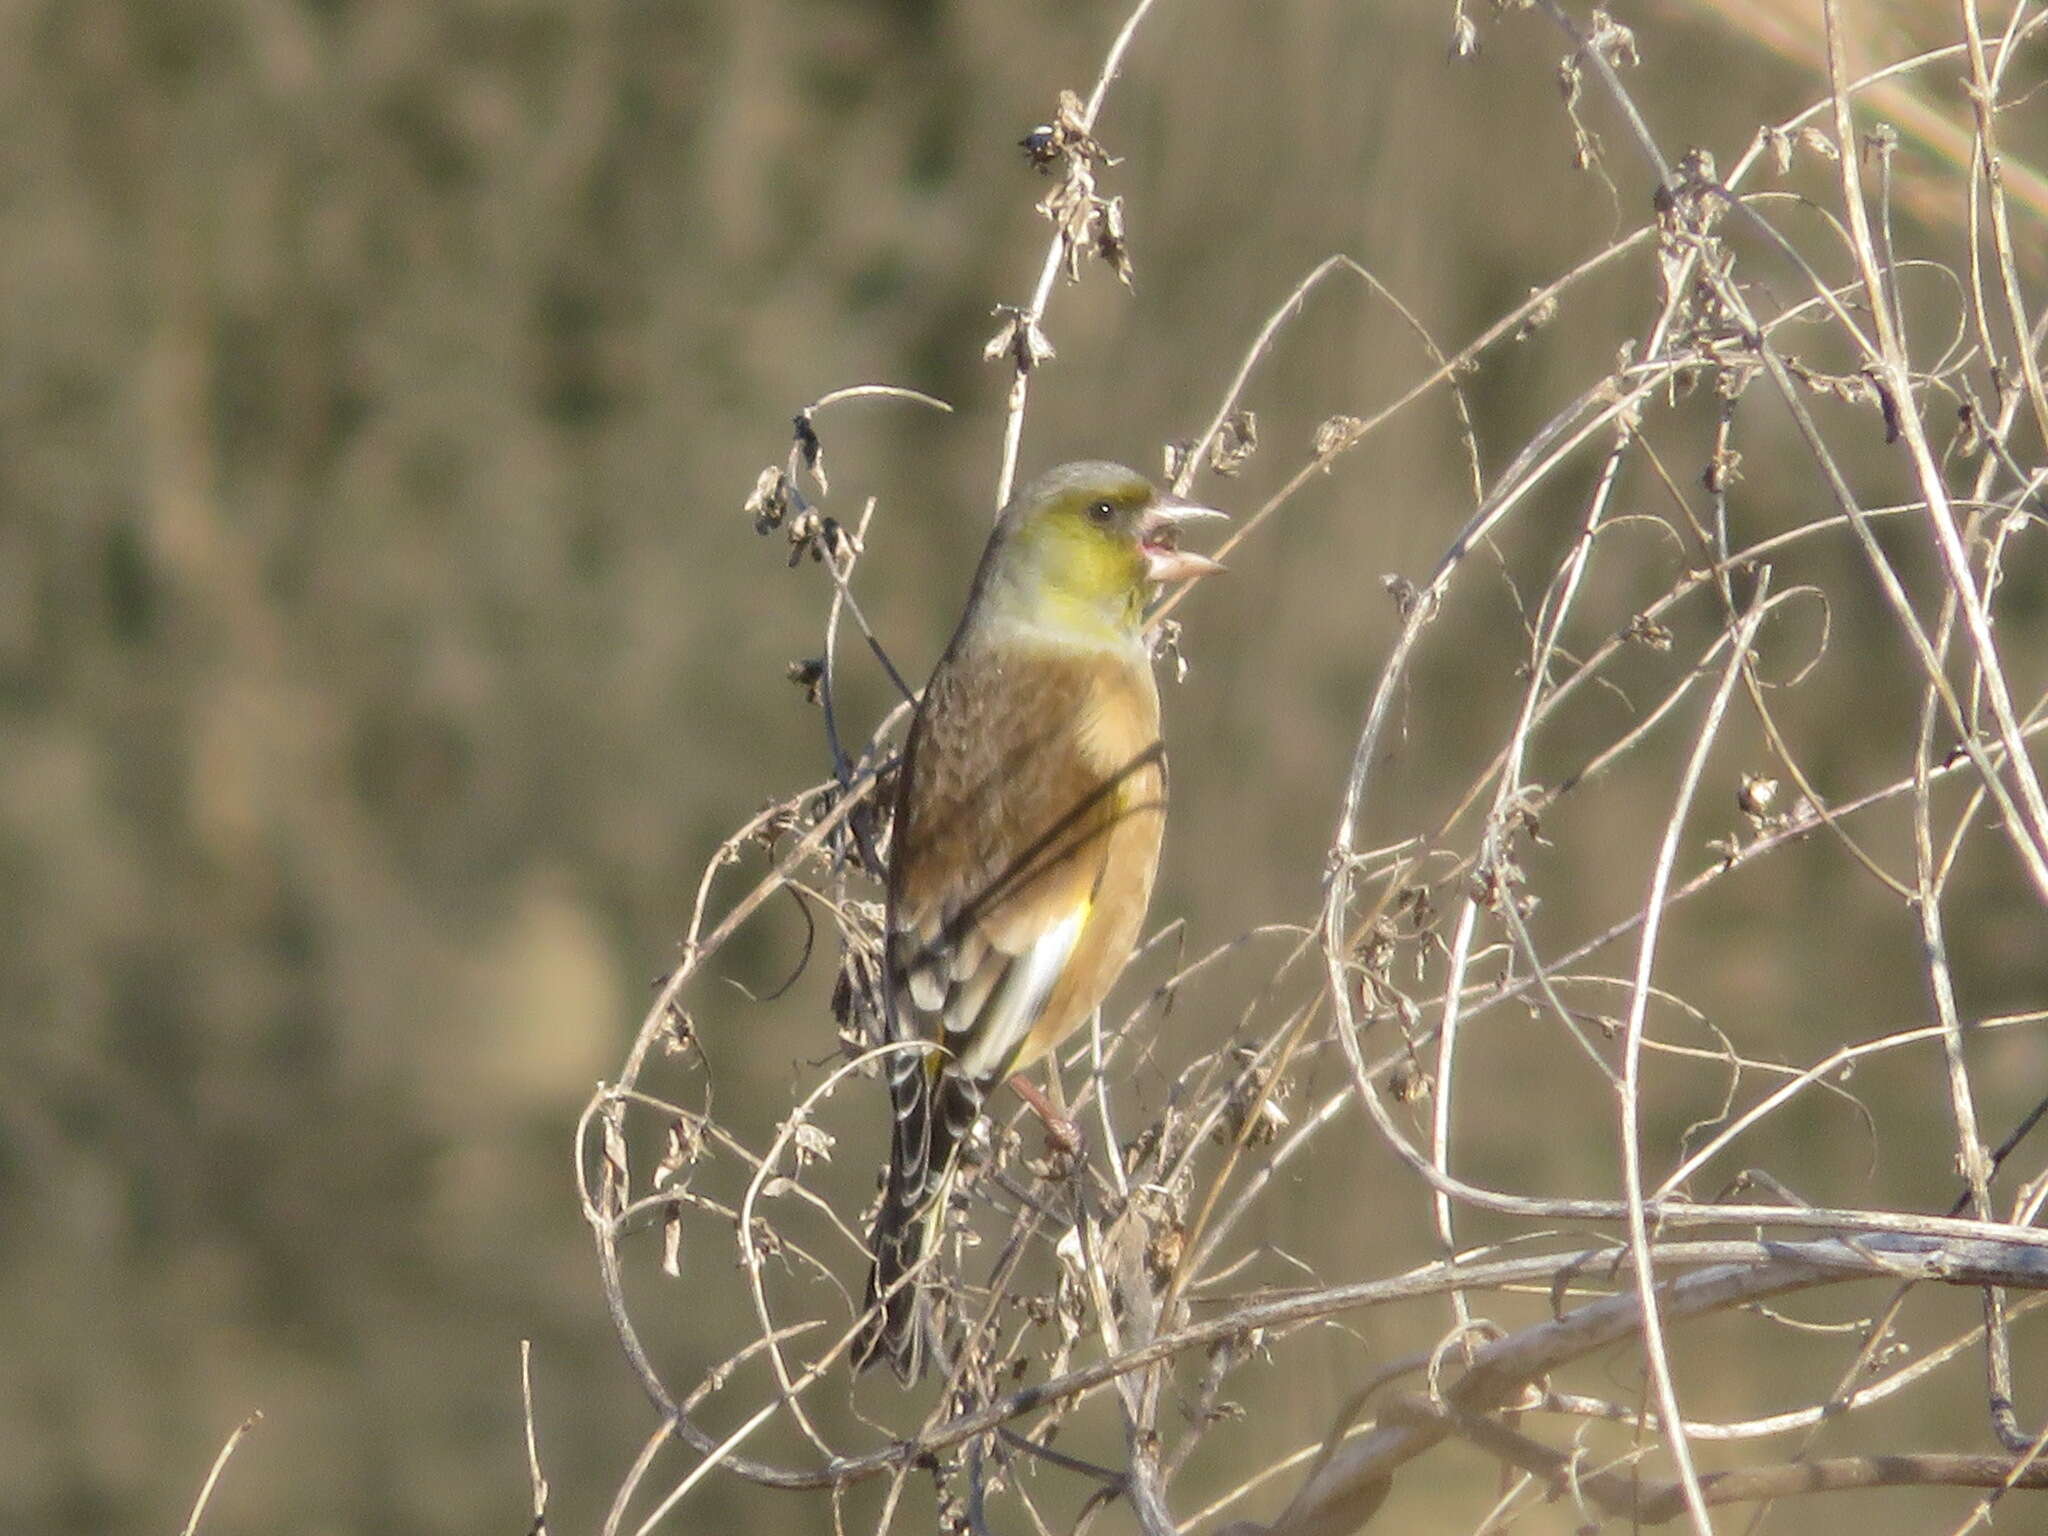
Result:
[219,1465]
[538,1483]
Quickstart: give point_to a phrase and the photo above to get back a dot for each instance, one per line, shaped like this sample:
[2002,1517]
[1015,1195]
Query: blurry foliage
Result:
[382,648]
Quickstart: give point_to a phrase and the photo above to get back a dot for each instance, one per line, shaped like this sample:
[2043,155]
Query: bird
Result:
[1029,808]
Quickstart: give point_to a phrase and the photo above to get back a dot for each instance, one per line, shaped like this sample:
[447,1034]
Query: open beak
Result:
[1159,535]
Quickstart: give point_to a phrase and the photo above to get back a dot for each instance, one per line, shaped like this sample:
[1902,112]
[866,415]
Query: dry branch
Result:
[1127,1286]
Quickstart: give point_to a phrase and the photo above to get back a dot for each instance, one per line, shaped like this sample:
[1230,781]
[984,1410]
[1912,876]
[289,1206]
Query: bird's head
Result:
[1083,546]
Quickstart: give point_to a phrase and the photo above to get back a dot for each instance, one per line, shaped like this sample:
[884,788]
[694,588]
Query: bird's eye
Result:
[1100,512]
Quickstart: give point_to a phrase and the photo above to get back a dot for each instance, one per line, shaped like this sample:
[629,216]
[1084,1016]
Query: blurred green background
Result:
[383,647]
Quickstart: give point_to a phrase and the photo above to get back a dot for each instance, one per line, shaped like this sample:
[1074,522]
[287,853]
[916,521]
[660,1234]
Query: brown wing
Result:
[1029,827]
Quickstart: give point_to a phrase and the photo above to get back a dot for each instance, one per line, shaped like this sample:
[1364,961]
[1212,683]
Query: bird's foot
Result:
[1061,1133]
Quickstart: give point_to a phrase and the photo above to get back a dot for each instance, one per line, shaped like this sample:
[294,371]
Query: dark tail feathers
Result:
[932,1117]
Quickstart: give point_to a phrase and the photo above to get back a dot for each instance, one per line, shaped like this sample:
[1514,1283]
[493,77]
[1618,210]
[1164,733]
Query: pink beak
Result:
[1159,535]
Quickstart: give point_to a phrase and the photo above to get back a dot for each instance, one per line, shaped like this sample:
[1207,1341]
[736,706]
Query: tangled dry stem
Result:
[1132,1279]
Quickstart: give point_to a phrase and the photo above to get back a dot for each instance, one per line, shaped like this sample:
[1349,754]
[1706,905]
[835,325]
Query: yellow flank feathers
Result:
[1029,811]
